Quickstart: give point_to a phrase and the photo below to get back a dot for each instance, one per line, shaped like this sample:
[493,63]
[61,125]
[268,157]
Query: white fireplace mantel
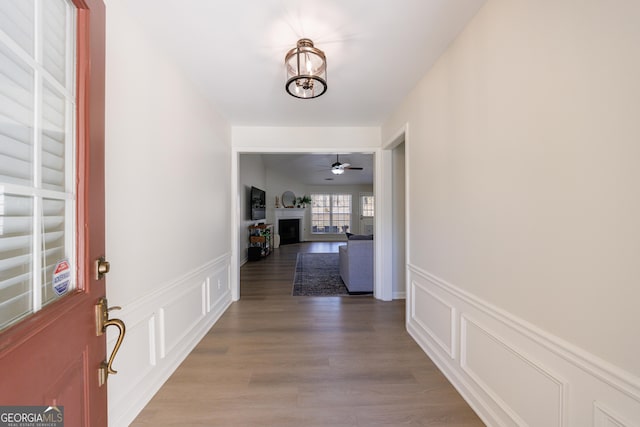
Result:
[290,213]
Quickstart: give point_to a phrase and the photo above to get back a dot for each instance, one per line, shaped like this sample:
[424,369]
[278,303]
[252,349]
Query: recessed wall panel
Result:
[523,389]
[435,316]
[181,315]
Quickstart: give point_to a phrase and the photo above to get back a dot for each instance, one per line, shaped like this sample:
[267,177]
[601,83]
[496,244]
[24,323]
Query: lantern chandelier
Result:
[306,70]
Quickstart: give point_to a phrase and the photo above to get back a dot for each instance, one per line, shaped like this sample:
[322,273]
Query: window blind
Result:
[330,213]
[37,108]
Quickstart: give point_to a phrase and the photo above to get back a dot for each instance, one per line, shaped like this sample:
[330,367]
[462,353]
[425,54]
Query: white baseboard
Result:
[399,295]
[162,329]
[511,372]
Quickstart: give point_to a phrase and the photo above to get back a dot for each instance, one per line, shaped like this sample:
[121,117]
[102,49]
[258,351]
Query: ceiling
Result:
[315,169]
[233,51]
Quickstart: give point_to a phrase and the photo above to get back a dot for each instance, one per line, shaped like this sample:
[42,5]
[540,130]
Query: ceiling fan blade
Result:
[354,168]
[345,165]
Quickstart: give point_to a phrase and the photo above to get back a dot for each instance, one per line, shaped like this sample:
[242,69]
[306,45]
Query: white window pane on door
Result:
[54,38]
[53,139]
[16,223]
[16,21]
[36,152]
[16,119]
[53,244]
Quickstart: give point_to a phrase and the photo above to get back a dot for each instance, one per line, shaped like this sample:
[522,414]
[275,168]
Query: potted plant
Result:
[303,201]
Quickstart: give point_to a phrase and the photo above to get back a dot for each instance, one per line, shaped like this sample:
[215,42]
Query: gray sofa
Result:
[356,265]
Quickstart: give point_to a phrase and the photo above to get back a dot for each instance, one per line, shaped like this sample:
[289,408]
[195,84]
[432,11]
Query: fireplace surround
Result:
[291,213]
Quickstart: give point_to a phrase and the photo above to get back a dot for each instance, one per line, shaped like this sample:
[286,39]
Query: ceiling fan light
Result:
[306,71]
[337,171]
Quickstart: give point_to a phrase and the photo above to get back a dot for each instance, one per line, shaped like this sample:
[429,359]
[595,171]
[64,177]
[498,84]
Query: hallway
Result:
[277,360]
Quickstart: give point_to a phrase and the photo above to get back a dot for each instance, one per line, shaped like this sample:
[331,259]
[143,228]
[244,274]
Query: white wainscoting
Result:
[511,372]
[162,329]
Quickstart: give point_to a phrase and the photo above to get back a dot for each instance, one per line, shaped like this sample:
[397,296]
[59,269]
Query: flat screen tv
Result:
[258,204]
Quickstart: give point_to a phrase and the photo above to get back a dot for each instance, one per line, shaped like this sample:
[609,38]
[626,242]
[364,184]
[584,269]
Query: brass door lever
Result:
[102,323]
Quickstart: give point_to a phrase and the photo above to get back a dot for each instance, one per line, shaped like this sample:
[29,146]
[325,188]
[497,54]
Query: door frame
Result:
[382,288]
[384,227]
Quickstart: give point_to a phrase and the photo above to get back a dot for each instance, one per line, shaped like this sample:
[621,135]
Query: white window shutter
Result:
[37,147]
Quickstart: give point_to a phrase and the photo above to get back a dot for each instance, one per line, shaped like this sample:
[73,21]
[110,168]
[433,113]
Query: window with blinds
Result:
[330,213]
[37,154]
[367,206]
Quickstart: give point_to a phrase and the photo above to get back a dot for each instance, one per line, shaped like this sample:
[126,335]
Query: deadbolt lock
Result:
[102,268]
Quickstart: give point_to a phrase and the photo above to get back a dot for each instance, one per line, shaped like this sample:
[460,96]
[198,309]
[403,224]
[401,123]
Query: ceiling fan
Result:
[338,168]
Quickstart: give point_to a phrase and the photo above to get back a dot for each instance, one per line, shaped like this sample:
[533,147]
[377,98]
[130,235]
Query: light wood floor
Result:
[277,360]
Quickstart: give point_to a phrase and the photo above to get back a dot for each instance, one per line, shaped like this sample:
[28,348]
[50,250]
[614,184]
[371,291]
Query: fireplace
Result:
[289,230]
[290,213]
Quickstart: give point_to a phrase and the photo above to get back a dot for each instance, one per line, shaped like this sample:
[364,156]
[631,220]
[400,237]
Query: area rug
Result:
[317,274]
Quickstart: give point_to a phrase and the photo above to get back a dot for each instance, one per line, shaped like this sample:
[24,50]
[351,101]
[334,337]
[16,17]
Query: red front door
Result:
[53,356]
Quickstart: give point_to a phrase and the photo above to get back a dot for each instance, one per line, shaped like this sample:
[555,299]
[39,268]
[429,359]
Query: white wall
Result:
[252,172]
[277,184]
[524,208]
[304,139]
[167,219]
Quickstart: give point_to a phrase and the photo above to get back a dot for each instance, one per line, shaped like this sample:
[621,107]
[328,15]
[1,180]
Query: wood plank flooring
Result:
[277,360]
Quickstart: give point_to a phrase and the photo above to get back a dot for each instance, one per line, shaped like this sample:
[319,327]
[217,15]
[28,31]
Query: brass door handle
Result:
[102,323]
[120,325]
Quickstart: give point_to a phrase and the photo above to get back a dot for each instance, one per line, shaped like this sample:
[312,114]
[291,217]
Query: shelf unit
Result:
[260,241]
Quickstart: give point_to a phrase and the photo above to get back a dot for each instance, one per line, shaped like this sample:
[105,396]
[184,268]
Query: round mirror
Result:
[288,199]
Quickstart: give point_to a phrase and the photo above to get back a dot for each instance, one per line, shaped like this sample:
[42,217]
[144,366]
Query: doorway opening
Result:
[270,170]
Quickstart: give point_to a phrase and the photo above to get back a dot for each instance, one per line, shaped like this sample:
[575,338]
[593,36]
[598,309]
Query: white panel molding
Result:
[206,287]
[614,376]
[190,300]
[461,383]
[450,346]
[577,376]
[604,417]
[133,309]
[182,315]
[137,356]
[559,384]
[220,303]
[162,333]
[151,325]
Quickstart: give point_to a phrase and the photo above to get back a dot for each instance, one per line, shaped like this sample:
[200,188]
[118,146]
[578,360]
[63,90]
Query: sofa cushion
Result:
[351,236]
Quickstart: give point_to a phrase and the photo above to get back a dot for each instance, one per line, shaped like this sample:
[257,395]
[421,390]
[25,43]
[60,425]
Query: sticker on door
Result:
[61,277]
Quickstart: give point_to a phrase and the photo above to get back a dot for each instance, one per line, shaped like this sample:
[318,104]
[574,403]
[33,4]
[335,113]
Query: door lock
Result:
[102,268]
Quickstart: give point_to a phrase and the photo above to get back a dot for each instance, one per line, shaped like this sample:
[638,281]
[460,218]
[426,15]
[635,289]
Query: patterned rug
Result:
[318,275]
